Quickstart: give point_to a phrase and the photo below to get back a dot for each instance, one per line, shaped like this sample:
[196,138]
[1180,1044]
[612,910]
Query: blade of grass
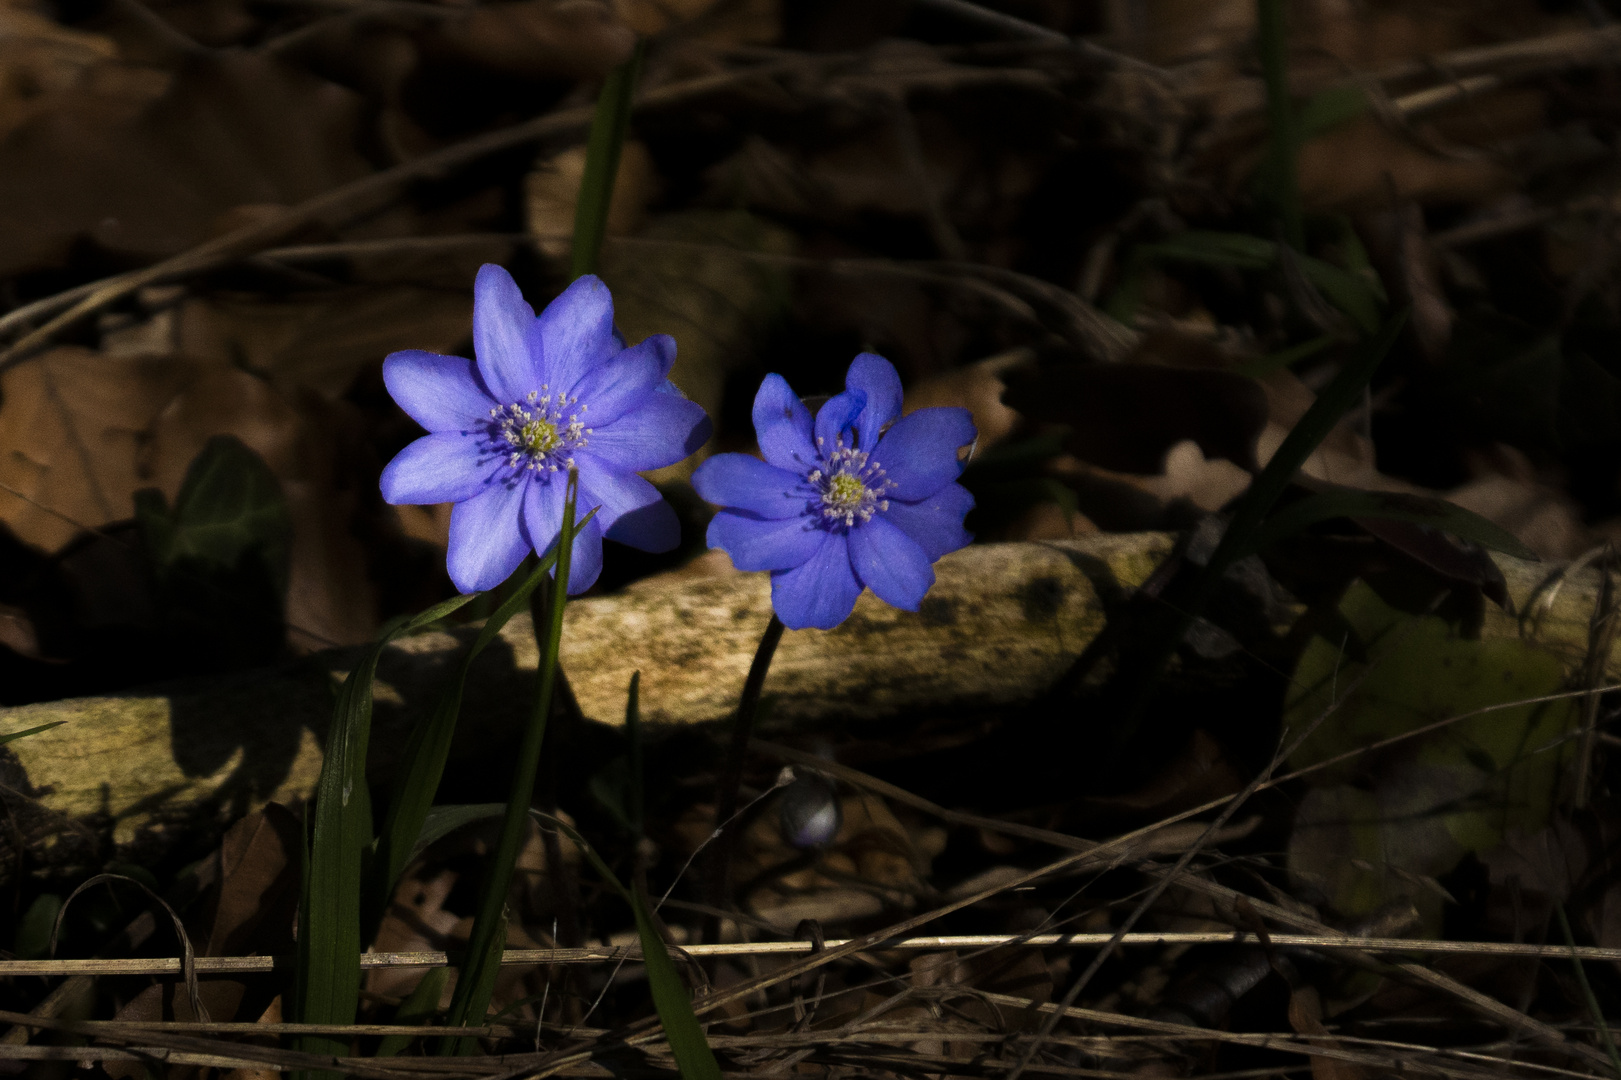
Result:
[425,754]
[1263,366]
[1283,142]
[1390,506]
[1587,991]
[476,982]
[328,979]
[633,730]
[15,735]
[602,152]
[1182,603]
[688,1043]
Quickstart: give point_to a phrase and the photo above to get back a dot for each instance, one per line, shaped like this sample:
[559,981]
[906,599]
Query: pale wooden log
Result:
[147,773]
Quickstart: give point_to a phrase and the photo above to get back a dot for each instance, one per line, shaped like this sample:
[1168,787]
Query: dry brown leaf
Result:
[872,861]
[149,180]
[978,388]
[39,59]
[330,597]
[1362,165]
[321,340]
[81,432]
[569,39]
[418,921]
[1306,1017]
[1507,491]
[260,860]
[75,433]
[271,1015]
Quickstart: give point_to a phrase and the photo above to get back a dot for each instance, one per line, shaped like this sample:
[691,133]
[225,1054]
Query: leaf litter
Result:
[1074,243]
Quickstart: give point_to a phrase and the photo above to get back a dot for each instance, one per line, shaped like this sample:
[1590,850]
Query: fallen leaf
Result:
[234,128]
[1408,812]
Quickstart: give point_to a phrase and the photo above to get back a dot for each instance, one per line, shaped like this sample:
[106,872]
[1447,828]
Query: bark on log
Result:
[151,773]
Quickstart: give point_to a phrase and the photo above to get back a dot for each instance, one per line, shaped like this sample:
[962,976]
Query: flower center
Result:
[851,487]
[540,433]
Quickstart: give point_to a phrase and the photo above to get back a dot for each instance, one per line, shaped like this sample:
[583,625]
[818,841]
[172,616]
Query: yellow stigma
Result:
[539,436]
[844,490]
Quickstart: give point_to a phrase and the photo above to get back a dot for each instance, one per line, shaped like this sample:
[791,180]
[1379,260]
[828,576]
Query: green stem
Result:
[602,151]
[1285,142]
[476,983]
[731,774]
[1587,992]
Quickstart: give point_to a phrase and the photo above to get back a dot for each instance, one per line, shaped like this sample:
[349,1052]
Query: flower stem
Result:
[603,147]
[731,776]
[477,980]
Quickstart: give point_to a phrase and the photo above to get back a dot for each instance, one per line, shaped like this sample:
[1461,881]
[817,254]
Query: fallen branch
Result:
[137,774]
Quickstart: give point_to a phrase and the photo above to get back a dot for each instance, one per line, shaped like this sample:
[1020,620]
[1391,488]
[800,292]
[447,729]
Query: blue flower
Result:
[547,394]
[860,499]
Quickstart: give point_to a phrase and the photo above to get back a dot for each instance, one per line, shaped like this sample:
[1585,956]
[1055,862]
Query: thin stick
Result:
[243,965]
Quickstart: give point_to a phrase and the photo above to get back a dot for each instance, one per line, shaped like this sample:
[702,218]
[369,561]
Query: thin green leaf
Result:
[1283,141]
[1593,1007]
[416,1009]
[476,981]
[441,821]
[1182,603]
[426,751]
[329,945]
[1328,109]
[33,934]
[1389,506]
[1298,445]
[1208,248]
[230,506]
[688,1043]
[633,730]
[602,151]
[1359,297]
[15,735]
[1263,366]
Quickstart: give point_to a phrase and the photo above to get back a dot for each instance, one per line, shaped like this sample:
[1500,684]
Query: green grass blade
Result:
[688,1043]
[476,982]
[443,820]
[328,979]
[633,730]
[425,753]
[418,1008]
[15,735]
[602,152]
[1298,445]
[1181,604]
[1390,506]
[1263,366]
[1587,991]
[1283,140]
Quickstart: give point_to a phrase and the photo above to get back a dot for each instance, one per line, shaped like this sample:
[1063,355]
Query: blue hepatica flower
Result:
[547,394]
[855,499]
